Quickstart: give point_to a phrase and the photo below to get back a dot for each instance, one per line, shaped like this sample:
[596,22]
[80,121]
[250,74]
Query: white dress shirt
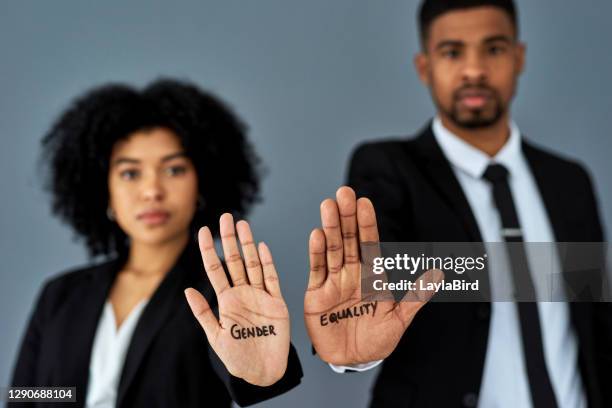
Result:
[504,381]
[108,355]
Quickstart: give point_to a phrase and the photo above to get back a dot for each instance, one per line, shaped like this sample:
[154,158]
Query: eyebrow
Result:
[129,160]
[449,43]
[488,40]
[500,37]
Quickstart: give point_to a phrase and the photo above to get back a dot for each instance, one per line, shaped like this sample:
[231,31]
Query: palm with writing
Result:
[251,336]
[335,285]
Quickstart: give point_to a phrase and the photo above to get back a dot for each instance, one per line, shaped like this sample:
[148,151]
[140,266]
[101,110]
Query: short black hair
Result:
[432,9]
[76,153]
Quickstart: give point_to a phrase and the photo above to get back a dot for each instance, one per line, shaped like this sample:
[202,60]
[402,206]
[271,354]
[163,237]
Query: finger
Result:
[251,258]
[366,221]
[330,218]
[369,247]
[316,253]
[202,312]
[347,207]
[233,260]
[269,271]
[212,263]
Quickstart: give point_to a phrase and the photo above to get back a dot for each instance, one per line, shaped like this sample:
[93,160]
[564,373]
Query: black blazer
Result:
[169,362]
[440,359]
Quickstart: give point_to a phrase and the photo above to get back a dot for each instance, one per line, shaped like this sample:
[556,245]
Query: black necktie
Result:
[542,394]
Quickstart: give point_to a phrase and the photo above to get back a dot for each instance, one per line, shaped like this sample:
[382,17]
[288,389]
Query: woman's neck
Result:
[146,259]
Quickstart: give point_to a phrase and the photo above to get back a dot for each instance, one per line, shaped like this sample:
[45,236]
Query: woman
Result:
[135,173]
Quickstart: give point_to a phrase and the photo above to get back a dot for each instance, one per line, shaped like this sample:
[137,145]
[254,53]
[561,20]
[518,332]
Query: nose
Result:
[474,70]
[152,189]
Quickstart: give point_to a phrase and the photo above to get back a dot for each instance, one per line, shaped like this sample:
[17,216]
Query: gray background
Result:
[312,78]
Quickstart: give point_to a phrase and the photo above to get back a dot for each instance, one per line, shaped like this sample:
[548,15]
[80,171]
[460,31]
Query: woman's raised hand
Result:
[251,336]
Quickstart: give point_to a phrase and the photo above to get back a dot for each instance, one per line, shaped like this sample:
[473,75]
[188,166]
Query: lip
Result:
[153,217]
[474,101]
[474,98]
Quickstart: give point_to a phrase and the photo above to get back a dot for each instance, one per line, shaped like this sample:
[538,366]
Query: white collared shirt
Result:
[108,355]
[504,381]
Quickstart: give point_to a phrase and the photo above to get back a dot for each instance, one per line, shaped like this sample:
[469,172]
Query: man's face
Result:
[471,62]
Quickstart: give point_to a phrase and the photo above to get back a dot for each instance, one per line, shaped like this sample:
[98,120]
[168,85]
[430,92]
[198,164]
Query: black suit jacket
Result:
[169,362]
[439,361]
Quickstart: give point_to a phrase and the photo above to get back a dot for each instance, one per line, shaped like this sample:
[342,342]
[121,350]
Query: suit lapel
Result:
[85,310]
[155,315]
[580,312]
[445,182]
[545,179]
[443,179]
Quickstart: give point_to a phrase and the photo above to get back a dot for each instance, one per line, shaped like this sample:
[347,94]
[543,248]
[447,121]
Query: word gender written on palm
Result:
[252,335]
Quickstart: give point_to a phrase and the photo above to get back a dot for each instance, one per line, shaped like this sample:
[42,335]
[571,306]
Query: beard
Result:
[474,118]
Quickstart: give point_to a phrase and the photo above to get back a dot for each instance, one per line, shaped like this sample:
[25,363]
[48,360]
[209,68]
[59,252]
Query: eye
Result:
[129,174]
[175,170]
[451,53]
[496,50]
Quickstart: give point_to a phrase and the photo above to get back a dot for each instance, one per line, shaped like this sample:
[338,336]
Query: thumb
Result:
[202,312]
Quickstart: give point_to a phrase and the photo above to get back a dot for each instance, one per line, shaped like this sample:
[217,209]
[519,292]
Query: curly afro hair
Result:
[77,151]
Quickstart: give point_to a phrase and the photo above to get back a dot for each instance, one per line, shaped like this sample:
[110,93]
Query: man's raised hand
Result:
[366,330]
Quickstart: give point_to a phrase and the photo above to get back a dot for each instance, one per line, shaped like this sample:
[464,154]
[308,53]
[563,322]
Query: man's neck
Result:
[489,139]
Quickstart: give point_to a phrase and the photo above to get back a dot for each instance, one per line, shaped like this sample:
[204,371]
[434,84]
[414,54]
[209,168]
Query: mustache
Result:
[473,90]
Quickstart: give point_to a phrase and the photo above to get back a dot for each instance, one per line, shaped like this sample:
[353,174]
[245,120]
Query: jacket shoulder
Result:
[394,146]
[56,288]
[72,276]
[554,160]
[383,146]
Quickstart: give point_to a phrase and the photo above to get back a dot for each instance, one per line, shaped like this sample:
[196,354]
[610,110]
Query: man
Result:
[468,176]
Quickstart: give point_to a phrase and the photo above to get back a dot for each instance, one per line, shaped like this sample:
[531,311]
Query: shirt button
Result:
[483,312]
[470,399]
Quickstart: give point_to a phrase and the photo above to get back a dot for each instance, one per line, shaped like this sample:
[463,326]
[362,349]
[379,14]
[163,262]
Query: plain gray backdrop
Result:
[312,78]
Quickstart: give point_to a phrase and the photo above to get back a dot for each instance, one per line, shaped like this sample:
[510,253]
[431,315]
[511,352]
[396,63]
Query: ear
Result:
[421,63]
[519,55]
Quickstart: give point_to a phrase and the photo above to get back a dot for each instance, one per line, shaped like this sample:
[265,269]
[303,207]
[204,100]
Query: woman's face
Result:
[153,186]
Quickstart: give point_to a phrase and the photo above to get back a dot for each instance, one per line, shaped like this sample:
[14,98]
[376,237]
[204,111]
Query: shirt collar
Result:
[471,160]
